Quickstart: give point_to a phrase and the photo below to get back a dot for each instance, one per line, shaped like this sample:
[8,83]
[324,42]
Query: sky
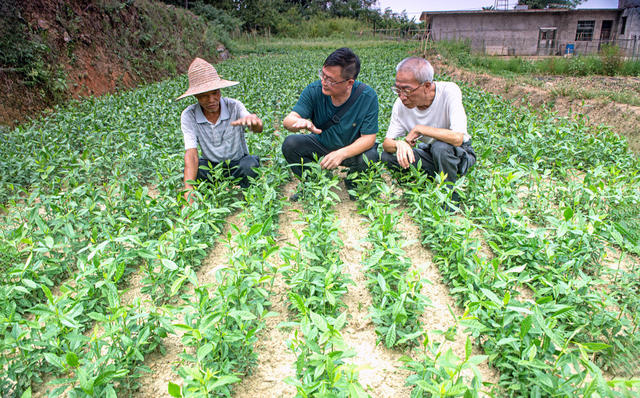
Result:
[415,7]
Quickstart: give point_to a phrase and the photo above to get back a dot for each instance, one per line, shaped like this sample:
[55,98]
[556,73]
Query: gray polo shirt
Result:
[218,142]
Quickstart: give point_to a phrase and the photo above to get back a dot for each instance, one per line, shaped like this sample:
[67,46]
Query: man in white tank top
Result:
[428,124]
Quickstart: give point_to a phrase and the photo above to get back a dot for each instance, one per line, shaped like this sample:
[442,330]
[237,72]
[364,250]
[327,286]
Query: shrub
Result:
[611,57]
[458,51]
[221,18]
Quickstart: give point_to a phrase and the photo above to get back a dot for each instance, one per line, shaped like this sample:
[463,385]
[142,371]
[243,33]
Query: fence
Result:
[519,44]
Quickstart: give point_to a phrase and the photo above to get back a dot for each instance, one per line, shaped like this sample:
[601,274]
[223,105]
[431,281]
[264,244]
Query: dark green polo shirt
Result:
[360,119]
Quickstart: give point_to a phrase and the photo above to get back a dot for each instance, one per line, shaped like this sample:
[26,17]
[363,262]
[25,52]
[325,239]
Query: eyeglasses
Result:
[405,91]
[328,80]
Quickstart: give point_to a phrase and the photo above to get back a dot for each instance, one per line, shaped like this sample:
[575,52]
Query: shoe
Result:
[295,197]
[297,194]
[350,186]
[448,209]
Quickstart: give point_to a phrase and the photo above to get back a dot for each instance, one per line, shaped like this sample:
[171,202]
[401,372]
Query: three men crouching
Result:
[428,127]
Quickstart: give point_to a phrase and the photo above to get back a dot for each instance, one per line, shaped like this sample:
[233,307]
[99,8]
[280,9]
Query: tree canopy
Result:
[279,16]
[542,4]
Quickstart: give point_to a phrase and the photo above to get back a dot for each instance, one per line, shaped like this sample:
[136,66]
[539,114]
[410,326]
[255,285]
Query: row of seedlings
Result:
[88,234]
[314,274]
[522,339]
[396,291]
[76,206]
[398,303]
[561,263]
[222,321]
[554,213]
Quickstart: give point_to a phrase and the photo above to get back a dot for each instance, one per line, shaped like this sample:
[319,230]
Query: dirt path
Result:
[275,360]
[438,316]
[155,383]
[381,372]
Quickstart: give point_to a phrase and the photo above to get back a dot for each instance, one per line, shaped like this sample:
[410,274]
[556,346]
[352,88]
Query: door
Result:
[547,41]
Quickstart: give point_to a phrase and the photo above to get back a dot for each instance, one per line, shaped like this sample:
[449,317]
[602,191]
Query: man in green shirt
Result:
[337,142]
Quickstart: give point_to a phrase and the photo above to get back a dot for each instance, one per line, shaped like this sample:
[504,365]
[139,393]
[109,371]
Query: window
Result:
[605,30]
[623,25]
[585,30]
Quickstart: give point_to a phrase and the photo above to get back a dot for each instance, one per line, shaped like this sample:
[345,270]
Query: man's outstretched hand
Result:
[252,121]
[306,124]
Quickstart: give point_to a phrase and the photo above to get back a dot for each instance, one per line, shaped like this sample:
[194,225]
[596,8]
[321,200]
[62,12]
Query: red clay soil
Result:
[96,48]
[623,118]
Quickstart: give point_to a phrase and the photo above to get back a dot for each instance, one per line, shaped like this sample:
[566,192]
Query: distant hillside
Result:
[54,50]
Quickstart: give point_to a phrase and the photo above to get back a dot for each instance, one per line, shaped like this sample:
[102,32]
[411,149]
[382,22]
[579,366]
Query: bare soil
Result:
[94,48]
[380,371]
[562,95]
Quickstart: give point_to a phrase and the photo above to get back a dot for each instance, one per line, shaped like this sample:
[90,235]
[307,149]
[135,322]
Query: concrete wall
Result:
[516,32]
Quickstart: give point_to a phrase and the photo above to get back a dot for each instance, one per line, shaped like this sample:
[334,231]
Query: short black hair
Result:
[347,59]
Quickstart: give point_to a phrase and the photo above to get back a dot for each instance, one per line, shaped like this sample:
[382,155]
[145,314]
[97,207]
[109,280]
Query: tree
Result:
[541,4]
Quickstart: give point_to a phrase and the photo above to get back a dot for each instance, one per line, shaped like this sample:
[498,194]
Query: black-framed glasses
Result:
[328,80]
[405,91]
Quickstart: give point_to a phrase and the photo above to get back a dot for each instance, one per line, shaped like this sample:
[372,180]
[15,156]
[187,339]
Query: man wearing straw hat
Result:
[216,124]
[342,115]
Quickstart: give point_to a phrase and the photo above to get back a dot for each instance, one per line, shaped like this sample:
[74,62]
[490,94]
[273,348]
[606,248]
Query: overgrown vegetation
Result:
[48,49]
[289,18]
[609,61]
[98,200]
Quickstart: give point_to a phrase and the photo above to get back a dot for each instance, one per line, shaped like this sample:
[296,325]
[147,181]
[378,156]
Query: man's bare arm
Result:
[294,122]
[445,135]
[190,170]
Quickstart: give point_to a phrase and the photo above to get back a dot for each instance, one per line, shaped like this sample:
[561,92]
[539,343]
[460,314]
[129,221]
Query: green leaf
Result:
[174,390]
[525,326]
[356,391]
[72,359]
[54,360]
[29,283]
[177,284]
[47,293]
[467,348]
[170,265]
[390,338]
[567,213]
[26,393]
[223,381]
[243,315]
[48,242]
[110,392]
[204,351]
[562,310]
[319,322]
[595,346]
[491,296]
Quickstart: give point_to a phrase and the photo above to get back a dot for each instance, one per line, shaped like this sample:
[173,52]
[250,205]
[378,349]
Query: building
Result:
[521,31]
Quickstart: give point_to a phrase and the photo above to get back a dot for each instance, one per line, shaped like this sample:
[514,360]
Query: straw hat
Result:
[203,77]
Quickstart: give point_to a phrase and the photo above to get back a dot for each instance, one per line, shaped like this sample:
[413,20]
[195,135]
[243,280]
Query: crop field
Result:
[110,286]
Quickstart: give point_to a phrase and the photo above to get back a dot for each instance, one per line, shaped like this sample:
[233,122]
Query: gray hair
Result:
[420,67]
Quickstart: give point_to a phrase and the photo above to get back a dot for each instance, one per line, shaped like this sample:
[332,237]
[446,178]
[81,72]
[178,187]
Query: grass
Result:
[263,45]
[577,78]
[608,62]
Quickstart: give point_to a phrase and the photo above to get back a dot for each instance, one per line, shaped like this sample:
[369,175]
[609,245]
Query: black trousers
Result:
[241,168]
[301,148]
[438,157]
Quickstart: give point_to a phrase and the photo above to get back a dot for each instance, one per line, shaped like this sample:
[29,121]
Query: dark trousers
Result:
[439,157]
[301,148]
[241,168]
